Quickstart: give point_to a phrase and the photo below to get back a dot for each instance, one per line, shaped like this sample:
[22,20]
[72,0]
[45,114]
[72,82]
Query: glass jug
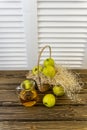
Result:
[27,93]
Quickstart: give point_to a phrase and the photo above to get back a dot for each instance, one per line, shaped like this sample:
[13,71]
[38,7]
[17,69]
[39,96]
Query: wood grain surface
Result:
[66,115]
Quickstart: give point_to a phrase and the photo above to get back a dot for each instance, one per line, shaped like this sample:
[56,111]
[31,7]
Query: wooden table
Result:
[66,115]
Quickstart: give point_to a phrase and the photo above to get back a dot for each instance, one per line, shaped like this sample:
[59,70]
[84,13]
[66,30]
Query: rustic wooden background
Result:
[66,115]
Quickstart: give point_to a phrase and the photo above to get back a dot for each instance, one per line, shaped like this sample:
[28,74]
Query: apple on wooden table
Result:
[49,100]
[58,90]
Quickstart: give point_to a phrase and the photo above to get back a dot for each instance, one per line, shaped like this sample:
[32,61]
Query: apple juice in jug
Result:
[27,93]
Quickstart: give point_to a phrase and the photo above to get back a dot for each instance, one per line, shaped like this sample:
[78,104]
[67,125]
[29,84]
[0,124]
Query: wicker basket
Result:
[42,82]
[64,77]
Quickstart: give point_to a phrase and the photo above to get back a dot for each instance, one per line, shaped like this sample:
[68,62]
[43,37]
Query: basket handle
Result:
[39,60]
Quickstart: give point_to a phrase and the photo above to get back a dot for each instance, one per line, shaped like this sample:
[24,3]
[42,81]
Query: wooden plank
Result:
[16,73]
[22,72]
[80,71]
[12,80]
[12,98]
[39,113]
[44,125]
[16,77]
[14,85]
[8,86]
[6,95]
[12,77]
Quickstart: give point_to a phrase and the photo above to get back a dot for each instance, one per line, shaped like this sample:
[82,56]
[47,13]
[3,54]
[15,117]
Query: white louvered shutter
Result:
[62,24]
[16,34]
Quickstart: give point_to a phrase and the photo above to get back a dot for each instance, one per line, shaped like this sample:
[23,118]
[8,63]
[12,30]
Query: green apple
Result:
[58,90]
[49,100]
[35,69]
[49,71]
[27,84]
[49,61]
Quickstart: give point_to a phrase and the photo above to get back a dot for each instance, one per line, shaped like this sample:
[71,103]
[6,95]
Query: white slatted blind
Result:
[62,24]
[12,38]
[16,49]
